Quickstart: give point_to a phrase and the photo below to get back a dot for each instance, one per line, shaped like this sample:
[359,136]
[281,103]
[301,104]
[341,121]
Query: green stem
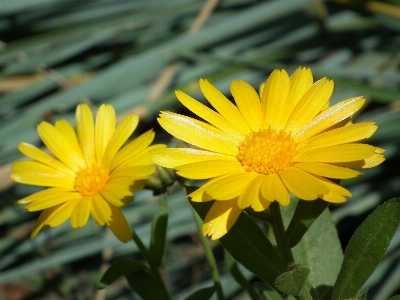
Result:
[210,257]
[280,235]
[154,269]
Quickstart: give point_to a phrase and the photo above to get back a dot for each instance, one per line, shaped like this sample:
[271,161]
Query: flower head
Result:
[284,139]
[92,173]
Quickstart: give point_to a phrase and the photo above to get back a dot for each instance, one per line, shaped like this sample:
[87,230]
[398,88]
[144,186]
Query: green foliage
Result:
[293,282]
[366,249]
[204,293]
[234,269]
[321,252]
[304,216]
[159,232]
[120,268]
[143,283]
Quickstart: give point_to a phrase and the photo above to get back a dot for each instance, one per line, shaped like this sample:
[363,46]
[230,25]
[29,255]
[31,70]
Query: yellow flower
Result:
[90,174]
[256,152]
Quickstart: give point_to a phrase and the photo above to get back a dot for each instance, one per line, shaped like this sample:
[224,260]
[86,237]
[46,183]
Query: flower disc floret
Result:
[90,181]
[267,151]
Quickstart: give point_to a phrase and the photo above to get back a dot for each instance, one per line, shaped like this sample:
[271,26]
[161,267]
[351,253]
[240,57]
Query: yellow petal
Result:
[85,130]
[119,225]
[34,173]
[299,83]
[209,115]
[273,189]
[121,135]
[200,194]
[104,130]
[137,172]
[329,117]
[302,184]
[220,218]
[336,192]
[69,133]
[56,199]
[101,211]
[274,99]
[230,186]
[117,193]
[337,153]
[57,144]
[40,222]
[175,157]
[373,161]
[198,133]
[225,107]
[81,212]
[251,194]
[41,156]
[62,213]
[347,134]
[327,170]
[311,104]
[127,183]
[260,204]
[43,195]
[248,102]
[142,158]
[133,148]
[367,163]
[209,169]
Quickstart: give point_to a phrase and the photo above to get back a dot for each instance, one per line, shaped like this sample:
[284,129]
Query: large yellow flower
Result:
[90,174]
[258,151]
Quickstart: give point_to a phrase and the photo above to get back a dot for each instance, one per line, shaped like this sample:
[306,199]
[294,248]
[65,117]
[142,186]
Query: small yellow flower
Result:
[258,151]
[90,174]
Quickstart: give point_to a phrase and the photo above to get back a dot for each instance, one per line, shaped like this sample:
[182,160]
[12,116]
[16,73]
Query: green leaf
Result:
[202,294]
[304,216]
[262,216]
[321,251]
[158,232]
[120,268]
[246,242]
[233,268]
[394,298]
[366,248]
[143,283]
[293,281]
[269,293]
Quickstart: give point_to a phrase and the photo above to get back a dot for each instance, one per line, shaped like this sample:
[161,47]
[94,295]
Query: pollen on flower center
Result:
[91,180]
[267,151]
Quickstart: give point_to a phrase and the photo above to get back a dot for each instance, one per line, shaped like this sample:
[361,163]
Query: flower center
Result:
[267,151]
[91,180]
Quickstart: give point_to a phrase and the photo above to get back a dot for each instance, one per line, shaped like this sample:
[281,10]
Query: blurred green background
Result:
[133,55]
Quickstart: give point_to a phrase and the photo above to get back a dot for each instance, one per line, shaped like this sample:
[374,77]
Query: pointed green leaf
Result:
[143,283]
[321,251]
[268,292]
[304,216]
[292,282]
[120,268]
[158,232]
[202,294]
[259,257]
[366,248]
[262,216]
[233,268]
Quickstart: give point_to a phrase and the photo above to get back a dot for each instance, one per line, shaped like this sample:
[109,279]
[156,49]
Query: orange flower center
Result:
[267,151]
[91,180]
